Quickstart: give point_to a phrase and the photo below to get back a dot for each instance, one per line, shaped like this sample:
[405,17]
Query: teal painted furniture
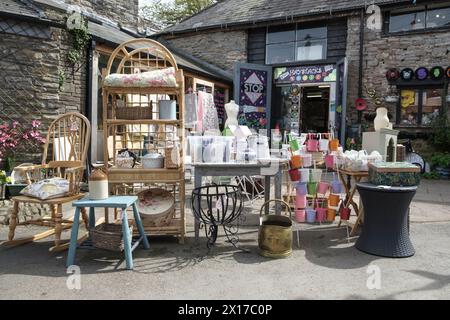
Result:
[117,202]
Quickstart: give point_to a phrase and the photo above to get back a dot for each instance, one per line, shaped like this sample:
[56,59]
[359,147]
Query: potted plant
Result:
[4,179]
[441,163]
[15,138]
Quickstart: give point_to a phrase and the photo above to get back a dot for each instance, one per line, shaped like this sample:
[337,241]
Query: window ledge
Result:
[387,34]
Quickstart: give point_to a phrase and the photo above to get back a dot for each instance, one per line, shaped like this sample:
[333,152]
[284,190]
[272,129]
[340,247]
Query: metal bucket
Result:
[275,233]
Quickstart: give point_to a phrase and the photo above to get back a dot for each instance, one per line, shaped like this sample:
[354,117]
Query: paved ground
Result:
[325,266]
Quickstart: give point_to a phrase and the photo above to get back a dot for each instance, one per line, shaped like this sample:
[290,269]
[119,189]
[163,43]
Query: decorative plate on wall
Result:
[407,74]
[392,74]
[437,73]
[422,73]
[360,104]
[447,72]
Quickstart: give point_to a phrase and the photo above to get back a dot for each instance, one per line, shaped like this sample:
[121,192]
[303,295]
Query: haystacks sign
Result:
[306,74]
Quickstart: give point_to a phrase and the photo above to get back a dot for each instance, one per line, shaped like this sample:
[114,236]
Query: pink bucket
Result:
[300,201]
[307,160]
[329,161]
[300,215]
[321,215]
[323,187]
[312,145]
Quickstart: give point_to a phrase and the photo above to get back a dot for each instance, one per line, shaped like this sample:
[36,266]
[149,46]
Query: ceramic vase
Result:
[381,120]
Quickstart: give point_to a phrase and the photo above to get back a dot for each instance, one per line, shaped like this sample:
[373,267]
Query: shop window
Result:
[291,43]
[418,107]
[311,44]
[420,18]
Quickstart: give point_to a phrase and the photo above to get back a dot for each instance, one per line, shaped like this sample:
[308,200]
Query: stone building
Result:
[37,78]
[324,55]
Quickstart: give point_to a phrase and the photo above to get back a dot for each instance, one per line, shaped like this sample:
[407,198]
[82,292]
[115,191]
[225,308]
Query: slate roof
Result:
[234,12]
[20,8]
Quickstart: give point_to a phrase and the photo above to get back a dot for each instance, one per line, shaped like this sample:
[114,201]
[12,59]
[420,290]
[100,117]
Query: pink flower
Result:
[35,123]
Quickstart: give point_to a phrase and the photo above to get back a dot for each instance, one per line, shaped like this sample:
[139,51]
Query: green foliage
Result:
[166,14]
[80,40]
[441,159]
[440,135]
[61,79]
[431,175]
[3,178]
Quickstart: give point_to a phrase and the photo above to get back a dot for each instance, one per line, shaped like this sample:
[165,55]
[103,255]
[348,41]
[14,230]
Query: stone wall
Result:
[30,78]
[221,48]
[384,52]
[124,12]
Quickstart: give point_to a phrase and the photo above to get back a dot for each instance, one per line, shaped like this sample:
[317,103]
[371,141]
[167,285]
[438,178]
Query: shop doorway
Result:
[314,108]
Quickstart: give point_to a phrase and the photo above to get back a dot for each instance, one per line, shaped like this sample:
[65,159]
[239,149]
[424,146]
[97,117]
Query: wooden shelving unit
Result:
[140,135]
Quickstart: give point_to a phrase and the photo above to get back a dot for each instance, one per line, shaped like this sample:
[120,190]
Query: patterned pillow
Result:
[47,189]
[155,78]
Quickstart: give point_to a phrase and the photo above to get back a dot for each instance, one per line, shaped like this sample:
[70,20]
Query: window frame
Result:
[296,41]
[421,89]
[426,9]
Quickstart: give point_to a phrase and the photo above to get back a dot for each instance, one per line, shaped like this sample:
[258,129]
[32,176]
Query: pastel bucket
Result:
[295,146]
[312,188]
[310,215]
[321,214]
[294,174]
[336,187]
[300,201]
[312,145]
[344,213]
[331,215]
[323,187]
[295,162]
[304,175]
[329,161]
[301,188]
[333,200]
[300,215]
[316,175]
[307,160]
[334,145]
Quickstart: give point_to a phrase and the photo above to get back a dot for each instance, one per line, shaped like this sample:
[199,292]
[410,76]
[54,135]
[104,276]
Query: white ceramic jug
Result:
[381,120]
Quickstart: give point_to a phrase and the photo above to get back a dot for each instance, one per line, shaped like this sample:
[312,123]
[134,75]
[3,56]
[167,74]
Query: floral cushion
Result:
[155,78]
[47,189]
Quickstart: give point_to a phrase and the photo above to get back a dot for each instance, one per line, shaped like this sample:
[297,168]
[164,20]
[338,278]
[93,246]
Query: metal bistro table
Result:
[385,231]
[268,169]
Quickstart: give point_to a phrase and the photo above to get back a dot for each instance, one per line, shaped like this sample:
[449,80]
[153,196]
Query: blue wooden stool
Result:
[117,202]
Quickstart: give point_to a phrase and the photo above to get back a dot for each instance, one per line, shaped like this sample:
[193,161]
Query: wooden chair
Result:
[69,137]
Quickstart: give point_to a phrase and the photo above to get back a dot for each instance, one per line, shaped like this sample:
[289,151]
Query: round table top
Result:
[373,187]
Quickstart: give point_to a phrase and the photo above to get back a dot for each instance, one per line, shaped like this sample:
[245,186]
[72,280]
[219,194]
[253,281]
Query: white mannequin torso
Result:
[232,110]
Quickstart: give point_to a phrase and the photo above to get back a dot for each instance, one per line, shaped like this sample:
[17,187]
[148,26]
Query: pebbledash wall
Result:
[221,48]
[123,12]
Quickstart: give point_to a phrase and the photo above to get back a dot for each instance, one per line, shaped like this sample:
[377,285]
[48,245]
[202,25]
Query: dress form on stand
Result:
[232,110]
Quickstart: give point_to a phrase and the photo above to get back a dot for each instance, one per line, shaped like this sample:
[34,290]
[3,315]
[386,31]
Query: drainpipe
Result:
[361,57]
[88,102]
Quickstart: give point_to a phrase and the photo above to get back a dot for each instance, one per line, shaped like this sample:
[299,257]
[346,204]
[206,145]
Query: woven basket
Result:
[134,113]
[109,236]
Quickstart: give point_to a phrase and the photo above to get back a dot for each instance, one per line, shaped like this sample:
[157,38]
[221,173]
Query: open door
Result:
[253,93]
[341,101]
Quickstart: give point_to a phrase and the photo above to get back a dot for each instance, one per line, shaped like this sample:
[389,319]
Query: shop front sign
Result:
[305,74]
[421,74]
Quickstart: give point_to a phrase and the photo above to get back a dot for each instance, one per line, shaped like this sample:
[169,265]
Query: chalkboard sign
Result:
[219,102]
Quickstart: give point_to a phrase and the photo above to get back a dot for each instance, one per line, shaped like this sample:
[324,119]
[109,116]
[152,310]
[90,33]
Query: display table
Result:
[346,177]
[268,169]
[385,231]
[116,202]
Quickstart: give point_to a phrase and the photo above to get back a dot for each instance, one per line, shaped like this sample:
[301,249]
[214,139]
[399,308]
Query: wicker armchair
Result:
[64,156]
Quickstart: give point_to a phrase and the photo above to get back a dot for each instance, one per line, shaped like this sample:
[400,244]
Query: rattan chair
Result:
[64,156]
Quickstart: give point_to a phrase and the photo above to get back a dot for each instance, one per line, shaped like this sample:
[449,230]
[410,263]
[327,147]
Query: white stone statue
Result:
[381,120]
[232,110]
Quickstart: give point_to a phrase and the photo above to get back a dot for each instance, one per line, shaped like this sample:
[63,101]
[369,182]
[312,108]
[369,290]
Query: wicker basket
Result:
[133,113]
[109,236]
